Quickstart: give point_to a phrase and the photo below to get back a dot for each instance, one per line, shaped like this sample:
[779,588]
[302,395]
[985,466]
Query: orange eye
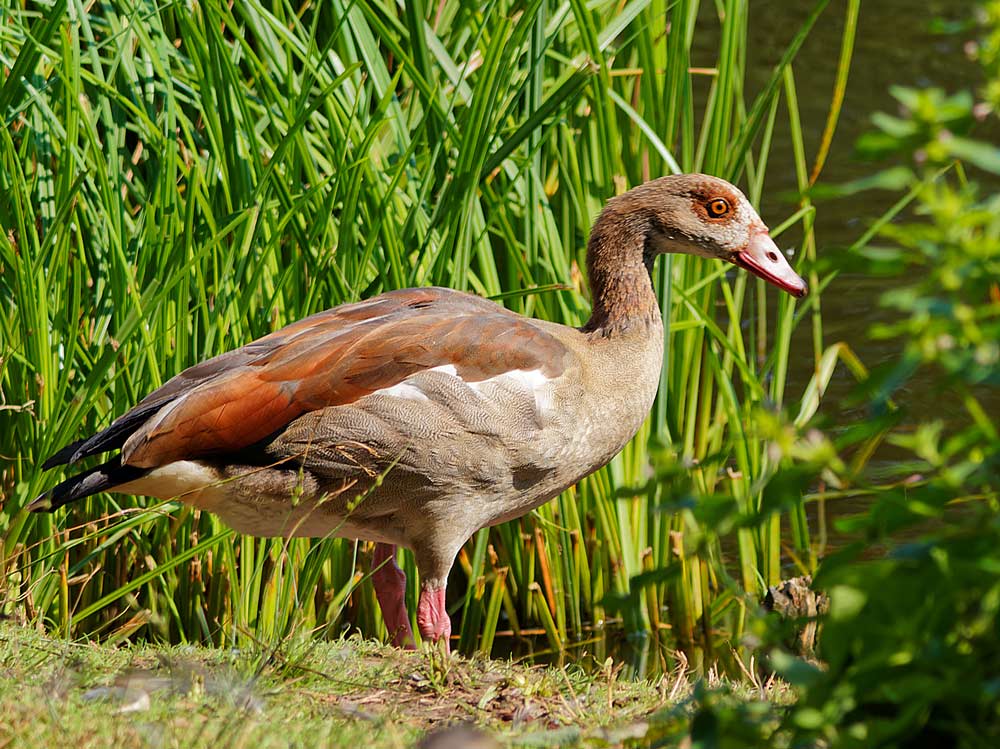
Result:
[717,207]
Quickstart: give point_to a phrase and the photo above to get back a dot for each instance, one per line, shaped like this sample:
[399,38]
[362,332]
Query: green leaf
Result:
[976,152]
[846,602]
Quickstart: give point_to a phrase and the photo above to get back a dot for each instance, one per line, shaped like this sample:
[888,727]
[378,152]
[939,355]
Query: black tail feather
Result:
[111,438]
[63,456]
[99,479]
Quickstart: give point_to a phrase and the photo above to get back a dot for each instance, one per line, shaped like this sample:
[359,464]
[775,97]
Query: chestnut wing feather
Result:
[335,357]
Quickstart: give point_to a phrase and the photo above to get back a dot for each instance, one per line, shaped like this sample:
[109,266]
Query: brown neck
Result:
[619,267]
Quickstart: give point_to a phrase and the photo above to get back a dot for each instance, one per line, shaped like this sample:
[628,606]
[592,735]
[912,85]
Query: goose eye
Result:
[718,207]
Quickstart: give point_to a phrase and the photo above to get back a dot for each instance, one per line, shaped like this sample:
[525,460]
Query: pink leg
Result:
[390,589]
[432,616]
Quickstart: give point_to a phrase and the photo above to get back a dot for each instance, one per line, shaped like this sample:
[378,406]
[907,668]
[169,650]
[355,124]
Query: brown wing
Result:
[239,398]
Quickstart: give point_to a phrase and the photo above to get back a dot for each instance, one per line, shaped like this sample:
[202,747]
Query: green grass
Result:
[320,694]
[180,179]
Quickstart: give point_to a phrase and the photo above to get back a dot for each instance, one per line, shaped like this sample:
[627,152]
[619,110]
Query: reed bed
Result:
[180,178]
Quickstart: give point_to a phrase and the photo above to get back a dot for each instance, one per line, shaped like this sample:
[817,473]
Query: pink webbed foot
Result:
[390,589]
[432,616]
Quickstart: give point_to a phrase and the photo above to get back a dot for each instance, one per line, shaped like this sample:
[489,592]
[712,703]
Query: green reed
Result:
[180,179]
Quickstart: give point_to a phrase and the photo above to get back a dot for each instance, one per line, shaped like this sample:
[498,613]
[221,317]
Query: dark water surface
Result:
[896,44]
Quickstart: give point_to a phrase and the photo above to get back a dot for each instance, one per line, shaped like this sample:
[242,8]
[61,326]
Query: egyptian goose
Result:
[419,416]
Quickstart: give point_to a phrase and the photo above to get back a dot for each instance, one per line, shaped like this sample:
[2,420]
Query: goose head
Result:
[701,215]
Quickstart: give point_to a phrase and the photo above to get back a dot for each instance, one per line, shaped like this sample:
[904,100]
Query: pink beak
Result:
[762,257]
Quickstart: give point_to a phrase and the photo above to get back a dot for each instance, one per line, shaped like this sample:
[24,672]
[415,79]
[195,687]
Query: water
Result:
[895,45]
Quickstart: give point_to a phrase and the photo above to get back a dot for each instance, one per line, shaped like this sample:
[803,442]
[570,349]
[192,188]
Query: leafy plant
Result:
[911,645]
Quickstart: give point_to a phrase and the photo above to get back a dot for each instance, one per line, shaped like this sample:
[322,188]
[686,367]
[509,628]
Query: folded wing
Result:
[242,397]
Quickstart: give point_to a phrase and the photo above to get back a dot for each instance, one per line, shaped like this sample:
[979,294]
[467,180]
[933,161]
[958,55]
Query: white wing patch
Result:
[405,390]
[410,387]
[446,369]
[530,382]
